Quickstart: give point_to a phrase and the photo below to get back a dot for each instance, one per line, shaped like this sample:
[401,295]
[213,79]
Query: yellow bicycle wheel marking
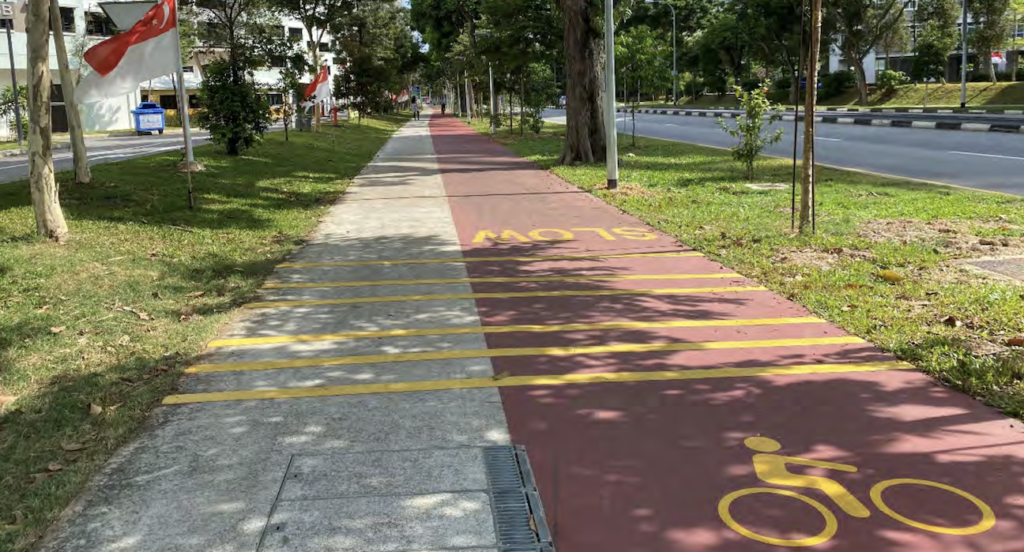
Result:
[988,517]
[831,523]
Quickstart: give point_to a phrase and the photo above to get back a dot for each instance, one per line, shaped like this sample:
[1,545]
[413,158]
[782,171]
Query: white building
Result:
[85,24]
[876,61]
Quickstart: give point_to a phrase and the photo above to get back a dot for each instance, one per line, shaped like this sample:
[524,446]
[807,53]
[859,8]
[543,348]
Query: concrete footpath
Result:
[459,300]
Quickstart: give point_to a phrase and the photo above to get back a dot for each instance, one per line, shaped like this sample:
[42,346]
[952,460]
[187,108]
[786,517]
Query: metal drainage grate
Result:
[518,513]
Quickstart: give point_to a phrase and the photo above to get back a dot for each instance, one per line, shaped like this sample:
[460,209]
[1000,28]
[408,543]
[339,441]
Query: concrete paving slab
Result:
[385,473]
[382,524]
[338,375]
[346,347]
[302,294]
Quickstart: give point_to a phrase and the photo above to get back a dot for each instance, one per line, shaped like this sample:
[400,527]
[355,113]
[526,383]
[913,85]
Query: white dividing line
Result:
[988,155]
[829,139]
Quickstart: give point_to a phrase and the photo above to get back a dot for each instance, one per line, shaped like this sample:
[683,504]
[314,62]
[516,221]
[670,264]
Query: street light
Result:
[675,71]
[612,139]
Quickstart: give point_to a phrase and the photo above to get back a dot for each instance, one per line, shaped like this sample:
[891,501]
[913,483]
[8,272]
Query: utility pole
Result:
[611,138]
[963,59]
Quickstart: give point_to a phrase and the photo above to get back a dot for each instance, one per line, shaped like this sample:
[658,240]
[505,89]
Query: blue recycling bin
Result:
[149,117]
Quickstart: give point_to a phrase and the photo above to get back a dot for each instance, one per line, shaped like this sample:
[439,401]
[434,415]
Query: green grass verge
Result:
[951,323]
[980,95]
[106,321]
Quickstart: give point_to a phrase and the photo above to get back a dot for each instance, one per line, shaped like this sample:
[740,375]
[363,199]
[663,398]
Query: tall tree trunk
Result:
[522,102]
[807,173]
[862,80]
[45,200]
[989,67]
[584,137]
[67,85]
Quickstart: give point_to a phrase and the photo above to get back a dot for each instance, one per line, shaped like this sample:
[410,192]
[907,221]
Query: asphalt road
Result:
[103,150]
[984,160]
[948,117]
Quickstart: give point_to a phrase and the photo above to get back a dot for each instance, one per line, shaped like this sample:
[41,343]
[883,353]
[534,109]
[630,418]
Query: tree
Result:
[1015,22]
[861,25]
[639,60]
[776,36]
[937,38]
[807,188]
[81,158]
[7,105]
[896,40]
[989,33]
[751,127]
[585,135]
[50,221]
[316,17]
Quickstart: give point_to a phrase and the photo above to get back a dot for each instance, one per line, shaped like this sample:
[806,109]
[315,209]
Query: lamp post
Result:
[675,71]
[963,59]
[611,138]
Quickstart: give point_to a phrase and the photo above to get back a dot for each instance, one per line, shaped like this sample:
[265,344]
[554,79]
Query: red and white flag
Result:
[148,50]
[320,88]
[997,57]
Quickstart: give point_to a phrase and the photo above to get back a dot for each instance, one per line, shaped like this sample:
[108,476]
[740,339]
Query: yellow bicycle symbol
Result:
[771,468]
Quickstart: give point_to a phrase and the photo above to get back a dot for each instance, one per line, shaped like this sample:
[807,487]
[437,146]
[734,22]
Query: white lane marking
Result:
[988,155]
[829,139]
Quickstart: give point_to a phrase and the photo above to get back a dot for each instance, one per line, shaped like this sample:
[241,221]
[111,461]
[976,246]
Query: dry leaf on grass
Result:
[54,467]
[196,294]
[72,447]
[58,329]
[19,520]
[6,400]
[952,322]
[1015,342]
[95,409]
[891,276]
[44,308]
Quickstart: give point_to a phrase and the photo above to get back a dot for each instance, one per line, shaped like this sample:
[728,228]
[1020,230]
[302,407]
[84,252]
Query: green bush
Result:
[1020,74]
[234,111]
[1004,76]
[834,84]
[693,87]
[889,81]
[716,85]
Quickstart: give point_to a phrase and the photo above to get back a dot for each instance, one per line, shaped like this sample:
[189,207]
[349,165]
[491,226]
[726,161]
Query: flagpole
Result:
[183,110]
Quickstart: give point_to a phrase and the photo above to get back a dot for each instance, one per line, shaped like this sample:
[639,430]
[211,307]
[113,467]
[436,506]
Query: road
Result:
[103,150]
[994,119]
[987,161]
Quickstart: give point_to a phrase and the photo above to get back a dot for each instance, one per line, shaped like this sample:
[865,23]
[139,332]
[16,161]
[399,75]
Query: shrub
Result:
[1004,76]
[751,128]
[234,111]
[749,85]
[834,84]
[1020,74]
[716,85]
[693,87]
[889,81]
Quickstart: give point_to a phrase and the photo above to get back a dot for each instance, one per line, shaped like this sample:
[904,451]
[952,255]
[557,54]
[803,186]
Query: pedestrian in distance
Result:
[444,104]
[415,109]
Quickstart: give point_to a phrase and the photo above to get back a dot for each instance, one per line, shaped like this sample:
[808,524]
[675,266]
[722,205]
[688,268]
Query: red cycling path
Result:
[643,466]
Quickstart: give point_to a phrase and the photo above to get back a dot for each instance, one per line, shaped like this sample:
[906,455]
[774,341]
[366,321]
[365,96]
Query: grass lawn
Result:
[93,333]
[956,325]
[980,95]
[11,145]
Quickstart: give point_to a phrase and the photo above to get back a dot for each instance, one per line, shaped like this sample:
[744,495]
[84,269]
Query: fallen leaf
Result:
[72,447]
[143,316]
[19,520]
[891,276]
[58,329]
[854,286]
[95,409]
[156,295]
[931,293]
[6,400]
[1015,342]
[153,254]
[987,242]
[952,322]
[44,308]
[54,467]
[501,376]
[196,294]
[848,308]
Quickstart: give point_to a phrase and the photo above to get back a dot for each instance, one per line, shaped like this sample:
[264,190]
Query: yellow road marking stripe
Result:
[518,351]
[514,328]
[516,381]
[490,259]
[289,285]
[513,294]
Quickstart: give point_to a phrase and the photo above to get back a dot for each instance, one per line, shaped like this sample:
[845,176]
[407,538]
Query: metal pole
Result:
[183,100]
[8,23]
[611,138]
[675,58]
[490,75]
[796,112]
[963,60]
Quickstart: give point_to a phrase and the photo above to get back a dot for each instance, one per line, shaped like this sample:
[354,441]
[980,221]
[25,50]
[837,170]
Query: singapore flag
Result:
[148,50]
